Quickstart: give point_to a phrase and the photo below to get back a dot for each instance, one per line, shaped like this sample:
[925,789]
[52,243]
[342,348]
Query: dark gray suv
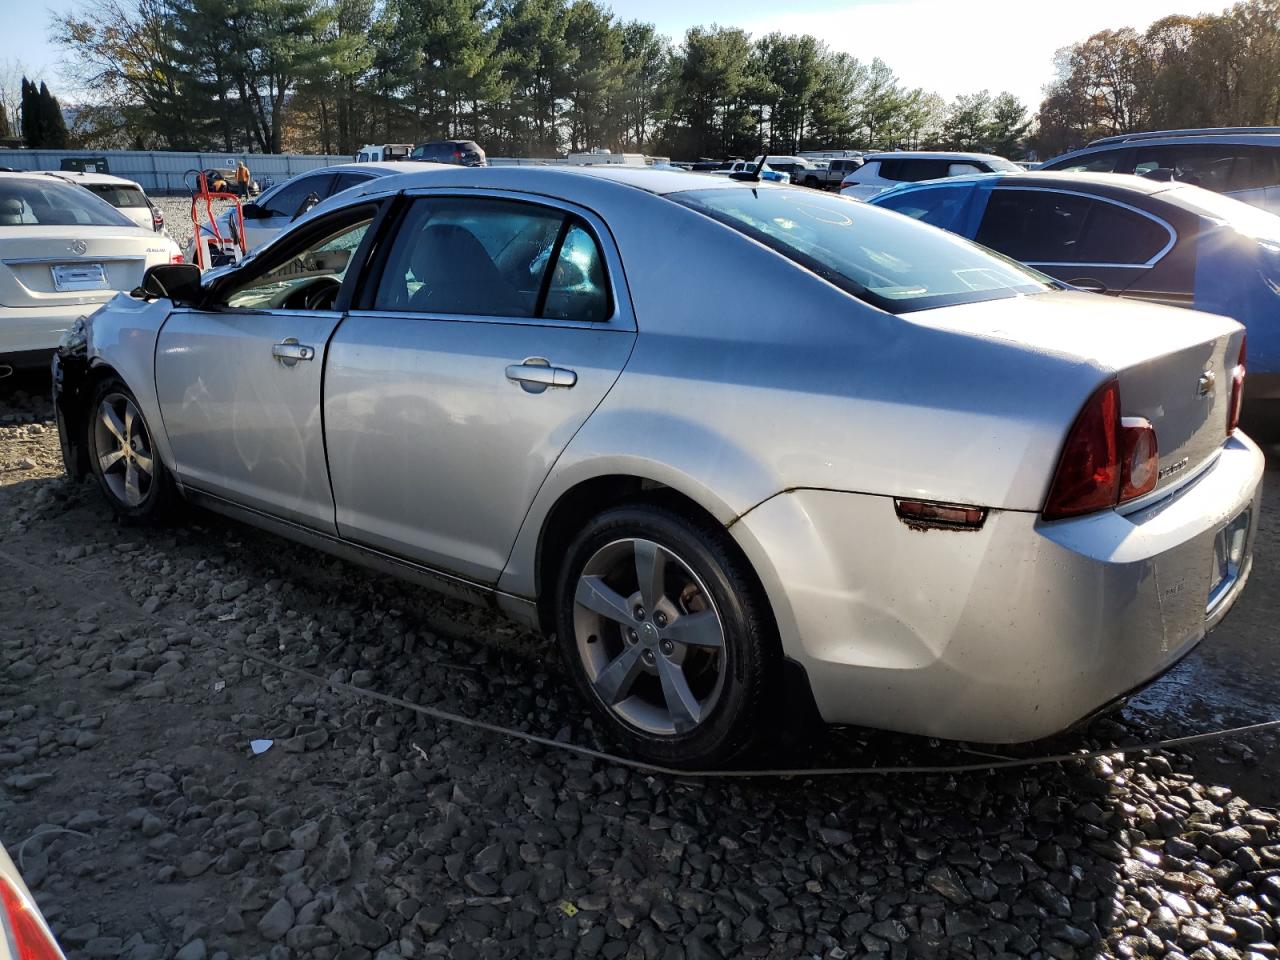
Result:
[465,153]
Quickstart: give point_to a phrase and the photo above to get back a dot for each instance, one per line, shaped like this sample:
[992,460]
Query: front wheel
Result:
[665,631]
[123,455]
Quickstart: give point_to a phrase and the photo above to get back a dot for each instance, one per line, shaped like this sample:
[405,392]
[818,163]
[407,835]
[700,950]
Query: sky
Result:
[945,46]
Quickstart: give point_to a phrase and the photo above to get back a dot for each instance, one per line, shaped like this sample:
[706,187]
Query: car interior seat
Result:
[458,275]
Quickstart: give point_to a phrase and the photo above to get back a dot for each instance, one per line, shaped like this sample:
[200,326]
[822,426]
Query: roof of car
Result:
[1098,182]
[73,176]
[1108,144]
[930,155]
[537,179]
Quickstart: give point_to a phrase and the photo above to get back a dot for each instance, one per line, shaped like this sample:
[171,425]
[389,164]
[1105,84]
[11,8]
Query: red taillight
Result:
[26,931]
[1139,457]
[1088,474]
[1237,391]
[1106,461]
[177,258]
[457,154]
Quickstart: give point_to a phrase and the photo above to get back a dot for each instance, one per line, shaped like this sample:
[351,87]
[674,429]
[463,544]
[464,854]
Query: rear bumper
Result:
[1005,634]
[36,330]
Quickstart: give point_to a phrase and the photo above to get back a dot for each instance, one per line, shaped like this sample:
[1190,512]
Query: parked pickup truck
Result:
[836,170]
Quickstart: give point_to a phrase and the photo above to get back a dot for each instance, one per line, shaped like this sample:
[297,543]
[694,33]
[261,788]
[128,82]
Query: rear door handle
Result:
[290,351]
[535,374]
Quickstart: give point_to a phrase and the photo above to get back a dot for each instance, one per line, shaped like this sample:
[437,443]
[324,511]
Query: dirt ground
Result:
[149,827]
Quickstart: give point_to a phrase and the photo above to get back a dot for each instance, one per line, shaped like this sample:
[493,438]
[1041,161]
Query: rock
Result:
[22,670]
[483,884]
[195,950]
[354,927]
[664,916]
[833,837]
[27,782]
[104,947]
[336,865]
[233,590]
[195,863]
[944,881]
[306,836]
[119,679]
[275,923]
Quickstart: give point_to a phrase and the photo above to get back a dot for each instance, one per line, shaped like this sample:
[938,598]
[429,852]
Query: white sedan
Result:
[63,253]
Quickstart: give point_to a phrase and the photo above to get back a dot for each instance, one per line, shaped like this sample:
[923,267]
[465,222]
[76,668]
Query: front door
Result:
[239,382]
[498,325]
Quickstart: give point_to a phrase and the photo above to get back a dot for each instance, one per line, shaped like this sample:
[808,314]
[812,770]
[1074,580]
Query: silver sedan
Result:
[746,452]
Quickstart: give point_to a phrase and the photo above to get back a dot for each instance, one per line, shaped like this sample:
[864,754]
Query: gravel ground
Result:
[177,217]
[367,830]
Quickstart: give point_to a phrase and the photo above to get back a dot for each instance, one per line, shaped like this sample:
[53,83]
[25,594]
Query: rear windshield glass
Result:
[119,196]
[890,261]
[1001,165]
[51,203]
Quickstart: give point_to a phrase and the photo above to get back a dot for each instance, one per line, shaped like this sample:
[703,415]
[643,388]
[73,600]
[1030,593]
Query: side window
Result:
[913,171]
[1034,226]
[483,257]
[1115,235]
[286,202]
[308,280]
[345,181]
[577,289]
[1201,165]
[961,169]
[938,206]
[1041,226]
[1255,167]
[469,256]
[1103,162]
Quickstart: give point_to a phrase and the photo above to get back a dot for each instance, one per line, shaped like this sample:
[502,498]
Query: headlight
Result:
[76,336]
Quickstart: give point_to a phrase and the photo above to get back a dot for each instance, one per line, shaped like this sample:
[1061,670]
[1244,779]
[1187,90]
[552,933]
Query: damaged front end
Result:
[70,397]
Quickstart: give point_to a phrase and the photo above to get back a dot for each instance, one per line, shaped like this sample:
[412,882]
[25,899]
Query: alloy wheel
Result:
[122,444]
[650,638]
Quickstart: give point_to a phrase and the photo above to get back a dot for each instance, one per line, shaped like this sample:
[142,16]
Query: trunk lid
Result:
[42,266]
[1174,365]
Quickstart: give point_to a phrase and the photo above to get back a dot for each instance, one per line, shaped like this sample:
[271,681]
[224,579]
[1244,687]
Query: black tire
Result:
[736,722]
[811,182]
[158,494]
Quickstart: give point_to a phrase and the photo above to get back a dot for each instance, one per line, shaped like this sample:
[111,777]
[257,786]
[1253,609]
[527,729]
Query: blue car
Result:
[1132,237]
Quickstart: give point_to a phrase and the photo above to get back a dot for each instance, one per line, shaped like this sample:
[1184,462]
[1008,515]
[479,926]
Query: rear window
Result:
[52,203]
[119,196]
[889,261]
[1240,216]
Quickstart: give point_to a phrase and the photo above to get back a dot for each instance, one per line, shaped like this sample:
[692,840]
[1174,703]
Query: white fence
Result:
[162,172]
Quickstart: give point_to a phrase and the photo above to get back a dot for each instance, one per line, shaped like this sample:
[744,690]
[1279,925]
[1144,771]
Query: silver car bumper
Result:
[1005,634]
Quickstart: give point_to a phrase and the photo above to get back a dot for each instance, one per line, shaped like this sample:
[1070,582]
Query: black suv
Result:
[465,153]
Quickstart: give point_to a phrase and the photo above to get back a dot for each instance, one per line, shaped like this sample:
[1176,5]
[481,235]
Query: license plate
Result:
[79,276]
[1228,557]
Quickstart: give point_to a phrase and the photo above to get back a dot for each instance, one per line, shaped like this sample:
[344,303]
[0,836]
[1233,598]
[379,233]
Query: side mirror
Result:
[311,200]
[251,211]
[179,282]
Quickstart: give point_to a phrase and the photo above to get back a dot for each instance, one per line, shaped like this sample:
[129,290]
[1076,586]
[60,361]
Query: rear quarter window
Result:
[885,260]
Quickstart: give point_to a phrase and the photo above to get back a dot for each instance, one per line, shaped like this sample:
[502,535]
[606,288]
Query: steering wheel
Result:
[321,294]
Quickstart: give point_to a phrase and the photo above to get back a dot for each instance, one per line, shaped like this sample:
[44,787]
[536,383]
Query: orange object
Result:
[208,196]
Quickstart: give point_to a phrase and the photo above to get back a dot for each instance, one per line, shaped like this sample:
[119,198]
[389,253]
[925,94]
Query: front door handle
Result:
[290,351]
[535,374]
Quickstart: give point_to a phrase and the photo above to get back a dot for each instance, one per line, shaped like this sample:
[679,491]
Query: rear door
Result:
[1091,242]
[498,324]
[239,380]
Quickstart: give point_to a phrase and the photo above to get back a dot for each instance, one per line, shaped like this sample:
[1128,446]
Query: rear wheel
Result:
[123,455]
[665,632]
[811,182]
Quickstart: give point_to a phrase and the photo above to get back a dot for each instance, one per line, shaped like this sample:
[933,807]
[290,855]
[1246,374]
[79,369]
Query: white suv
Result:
[884,170]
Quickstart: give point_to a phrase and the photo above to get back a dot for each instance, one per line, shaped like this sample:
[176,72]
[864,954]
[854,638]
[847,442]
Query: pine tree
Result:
[55,127]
